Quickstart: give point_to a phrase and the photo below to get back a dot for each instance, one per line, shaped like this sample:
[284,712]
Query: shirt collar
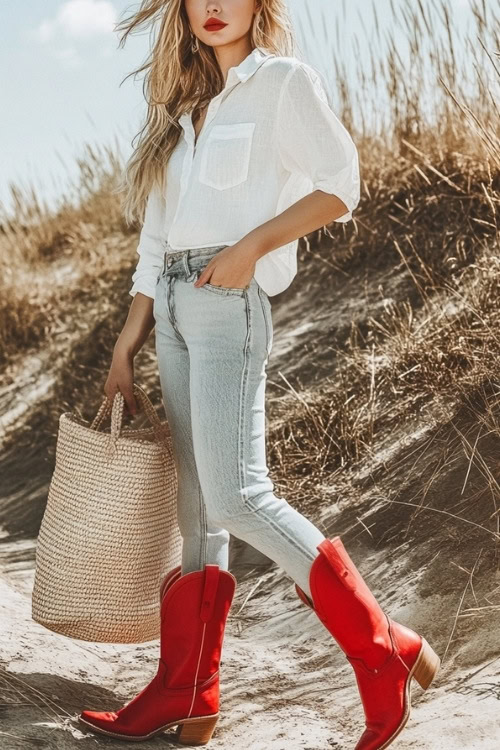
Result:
[236,74]
[248,66]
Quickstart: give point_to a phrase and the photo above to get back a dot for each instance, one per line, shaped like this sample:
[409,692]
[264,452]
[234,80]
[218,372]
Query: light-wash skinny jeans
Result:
[213,345]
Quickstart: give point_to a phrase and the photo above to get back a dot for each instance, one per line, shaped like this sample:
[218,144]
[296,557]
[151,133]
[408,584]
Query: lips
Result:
[214,25]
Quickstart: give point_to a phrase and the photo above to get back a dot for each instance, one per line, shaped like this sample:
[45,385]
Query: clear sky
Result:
[61,70]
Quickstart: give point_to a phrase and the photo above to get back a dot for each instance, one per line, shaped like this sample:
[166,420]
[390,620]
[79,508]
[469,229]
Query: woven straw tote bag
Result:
[109,533]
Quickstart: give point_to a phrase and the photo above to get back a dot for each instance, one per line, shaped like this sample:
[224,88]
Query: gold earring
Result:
[194,44]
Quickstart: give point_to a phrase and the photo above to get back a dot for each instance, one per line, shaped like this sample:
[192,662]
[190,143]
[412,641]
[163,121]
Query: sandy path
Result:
[284,683]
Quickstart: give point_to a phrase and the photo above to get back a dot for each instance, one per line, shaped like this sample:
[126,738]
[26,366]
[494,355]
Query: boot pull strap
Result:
[337,556]
[209,592]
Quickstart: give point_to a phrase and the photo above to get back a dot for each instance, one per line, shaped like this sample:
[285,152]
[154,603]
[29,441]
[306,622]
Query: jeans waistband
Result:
[189,260]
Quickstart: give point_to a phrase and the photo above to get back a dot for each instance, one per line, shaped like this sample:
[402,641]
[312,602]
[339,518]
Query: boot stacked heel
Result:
[196,731]
[427,665]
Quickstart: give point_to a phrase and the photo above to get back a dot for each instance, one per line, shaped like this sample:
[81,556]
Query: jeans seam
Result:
[278,528]
[203,529]
[243,391]
[171,305]
[249,502]
[266,322]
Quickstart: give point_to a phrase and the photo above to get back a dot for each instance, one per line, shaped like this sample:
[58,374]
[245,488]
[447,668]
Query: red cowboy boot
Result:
[185,689]
[385,655]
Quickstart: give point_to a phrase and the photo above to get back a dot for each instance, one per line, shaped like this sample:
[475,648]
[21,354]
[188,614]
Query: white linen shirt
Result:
[269,138]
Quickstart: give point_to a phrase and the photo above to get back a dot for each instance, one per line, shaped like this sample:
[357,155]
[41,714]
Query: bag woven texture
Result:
[109,533]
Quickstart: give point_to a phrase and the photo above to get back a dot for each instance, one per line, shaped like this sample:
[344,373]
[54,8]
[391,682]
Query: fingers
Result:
[131,403]
[130,400]
[110,391]
[205,274]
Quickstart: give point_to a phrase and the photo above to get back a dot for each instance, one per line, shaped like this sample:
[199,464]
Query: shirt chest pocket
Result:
[225,158]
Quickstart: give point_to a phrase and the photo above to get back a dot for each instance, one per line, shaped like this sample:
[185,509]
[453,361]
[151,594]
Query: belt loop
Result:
[185,262]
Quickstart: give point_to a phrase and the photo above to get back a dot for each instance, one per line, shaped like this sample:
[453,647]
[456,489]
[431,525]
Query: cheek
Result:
[242,13]
[196,13]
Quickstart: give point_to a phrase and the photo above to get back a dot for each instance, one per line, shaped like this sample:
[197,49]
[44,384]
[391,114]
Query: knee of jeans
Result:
[224,507]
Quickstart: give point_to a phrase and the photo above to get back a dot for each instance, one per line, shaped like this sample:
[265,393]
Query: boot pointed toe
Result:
[101,721]
[99,716]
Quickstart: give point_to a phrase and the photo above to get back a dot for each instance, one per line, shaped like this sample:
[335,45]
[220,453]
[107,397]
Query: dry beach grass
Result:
[383,410]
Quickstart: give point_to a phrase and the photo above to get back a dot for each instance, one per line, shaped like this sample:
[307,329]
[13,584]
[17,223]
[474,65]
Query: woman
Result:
[255,158]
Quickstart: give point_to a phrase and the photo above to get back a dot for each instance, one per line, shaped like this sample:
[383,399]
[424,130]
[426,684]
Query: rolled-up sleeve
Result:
[313,141]
[151,245]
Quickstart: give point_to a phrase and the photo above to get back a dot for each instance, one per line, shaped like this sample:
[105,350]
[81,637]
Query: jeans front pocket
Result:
[225,158]
[223,290]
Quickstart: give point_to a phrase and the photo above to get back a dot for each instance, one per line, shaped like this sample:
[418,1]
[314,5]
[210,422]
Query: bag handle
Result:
[117,408]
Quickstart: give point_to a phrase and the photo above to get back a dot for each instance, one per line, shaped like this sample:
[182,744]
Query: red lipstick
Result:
[214,24]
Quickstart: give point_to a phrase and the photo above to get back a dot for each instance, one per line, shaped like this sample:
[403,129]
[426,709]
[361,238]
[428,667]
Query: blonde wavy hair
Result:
[177,81]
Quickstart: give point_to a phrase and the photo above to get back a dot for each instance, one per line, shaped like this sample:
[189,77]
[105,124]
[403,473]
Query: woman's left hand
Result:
[233,266]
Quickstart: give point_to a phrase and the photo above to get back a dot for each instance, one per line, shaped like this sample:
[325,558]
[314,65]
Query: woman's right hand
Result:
[139,324]
[121,378]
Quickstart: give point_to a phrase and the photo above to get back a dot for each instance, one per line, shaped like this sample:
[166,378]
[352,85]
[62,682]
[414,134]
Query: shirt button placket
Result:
[187,165]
